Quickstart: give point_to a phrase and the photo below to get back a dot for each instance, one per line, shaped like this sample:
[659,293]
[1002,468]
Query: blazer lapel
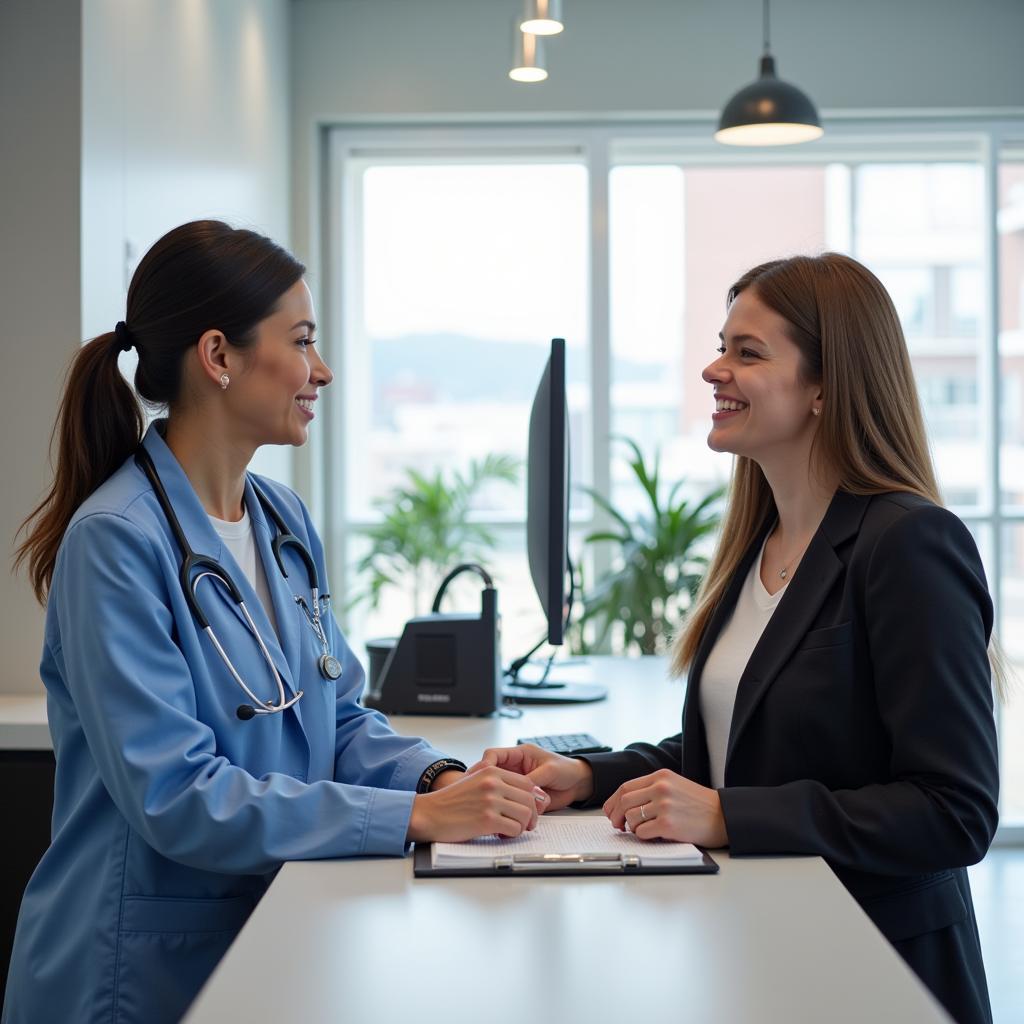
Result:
[818,571]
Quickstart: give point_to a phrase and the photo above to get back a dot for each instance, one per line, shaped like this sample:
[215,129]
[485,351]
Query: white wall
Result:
[184,116]
[118,120]
[392,59]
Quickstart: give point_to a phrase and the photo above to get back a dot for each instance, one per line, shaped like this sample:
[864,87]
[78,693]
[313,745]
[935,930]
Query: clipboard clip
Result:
[557,861]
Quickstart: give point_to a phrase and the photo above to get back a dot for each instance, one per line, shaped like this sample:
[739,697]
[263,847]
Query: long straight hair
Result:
[871,435]
[201,276]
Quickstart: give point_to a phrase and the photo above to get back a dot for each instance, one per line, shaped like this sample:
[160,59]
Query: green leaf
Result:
[425,525]
[658,565]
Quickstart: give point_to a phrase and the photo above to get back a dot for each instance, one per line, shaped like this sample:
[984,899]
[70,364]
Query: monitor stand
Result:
[558,690]
[554,693]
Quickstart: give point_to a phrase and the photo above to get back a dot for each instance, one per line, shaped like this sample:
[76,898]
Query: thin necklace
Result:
[784,571]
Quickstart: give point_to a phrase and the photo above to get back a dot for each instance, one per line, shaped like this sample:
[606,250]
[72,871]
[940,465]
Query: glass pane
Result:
[679,238]
[1010,225]
[1011,636]
[466,273]
[919,227]
[461,275]
[911,291]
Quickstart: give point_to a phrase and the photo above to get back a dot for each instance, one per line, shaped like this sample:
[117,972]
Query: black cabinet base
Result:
[26,782]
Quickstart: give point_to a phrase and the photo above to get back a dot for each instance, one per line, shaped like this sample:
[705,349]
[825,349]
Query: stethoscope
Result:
[313,611]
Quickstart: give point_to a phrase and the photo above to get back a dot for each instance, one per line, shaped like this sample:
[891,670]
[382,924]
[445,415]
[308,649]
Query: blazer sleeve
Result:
[133,691]
[928,617]
[611,770]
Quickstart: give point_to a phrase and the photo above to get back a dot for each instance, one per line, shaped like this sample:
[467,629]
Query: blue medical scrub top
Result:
[170,814]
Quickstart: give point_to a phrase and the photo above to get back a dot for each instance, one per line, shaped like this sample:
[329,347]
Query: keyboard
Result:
[568,743]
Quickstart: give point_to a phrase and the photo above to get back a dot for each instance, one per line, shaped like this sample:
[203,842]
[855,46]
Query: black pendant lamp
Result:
[768,112]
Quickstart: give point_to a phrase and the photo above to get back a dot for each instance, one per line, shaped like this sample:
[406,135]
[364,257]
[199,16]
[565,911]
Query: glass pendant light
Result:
[768,112]
[542,17]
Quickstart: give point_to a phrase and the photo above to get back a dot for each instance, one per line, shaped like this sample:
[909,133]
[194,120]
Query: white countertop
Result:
[766,940]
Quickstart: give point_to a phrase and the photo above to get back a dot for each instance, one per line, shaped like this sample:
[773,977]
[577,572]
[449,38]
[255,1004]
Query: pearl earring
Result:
[225,380]
[817,412]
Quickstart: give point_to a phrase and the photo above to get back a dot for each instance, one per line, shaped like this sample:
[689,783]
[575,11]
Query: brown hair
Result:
[871,436]
[199,276]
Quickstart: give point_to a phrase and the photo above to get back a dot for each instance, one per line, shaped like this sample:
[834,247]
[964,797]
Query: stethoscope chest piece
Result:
[330,667]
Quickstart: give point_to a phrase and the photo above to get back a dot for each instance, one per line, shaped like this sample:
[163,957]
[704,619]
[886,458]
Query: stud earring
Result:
[817,412]
[225,380]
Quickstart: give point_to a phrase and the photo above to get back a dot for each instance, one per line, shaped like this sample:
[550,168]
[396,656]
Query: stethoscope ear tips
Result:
[245,712]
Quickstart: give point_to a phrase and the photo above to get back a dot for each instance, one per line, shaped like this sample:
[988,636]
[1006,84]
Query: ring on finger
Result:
[643,814]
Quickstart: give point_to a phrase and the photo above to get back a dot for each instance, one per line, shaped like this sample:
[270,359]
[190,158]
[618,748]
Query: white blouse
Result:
[239,540]
[727,661]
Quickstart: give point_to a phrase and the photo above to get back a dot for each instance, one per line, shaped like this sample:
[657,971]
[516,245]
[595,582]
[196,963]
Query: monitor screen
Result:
[547,534]
[547,492]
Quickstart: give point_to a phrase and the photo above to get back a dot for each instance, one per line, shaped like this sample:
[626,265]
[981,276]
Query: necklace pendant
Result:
[783,573]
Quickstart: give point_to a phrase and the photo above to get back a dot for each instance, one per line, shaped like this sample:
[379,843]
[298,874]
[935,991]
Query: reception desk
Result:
[769,939]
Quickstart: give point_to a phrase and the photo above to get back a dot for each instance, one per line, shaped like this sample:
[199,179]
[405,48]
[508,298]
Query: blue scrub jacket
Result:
[170,814]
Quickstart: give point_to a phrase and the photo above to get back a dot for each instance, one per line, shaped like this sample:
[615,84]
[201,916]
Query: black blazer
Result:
[863,729]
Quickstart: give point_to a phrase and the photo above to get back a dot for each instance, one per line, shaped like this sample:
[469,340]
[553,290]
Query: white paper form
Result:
[585,834]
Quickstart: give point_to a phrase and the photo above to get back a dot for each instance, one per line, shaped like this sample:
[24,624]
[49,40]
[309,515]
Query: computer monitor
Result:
[547,493]
[547,529]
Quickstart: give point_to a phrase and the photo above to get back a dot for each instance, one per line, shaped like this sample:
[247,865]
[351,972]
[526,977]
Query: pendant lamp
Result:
[768,112]
[542,17]
[527,58]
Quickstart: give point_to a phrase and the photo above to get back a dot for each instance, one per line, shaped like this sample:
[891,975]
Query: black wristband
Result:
[444,765]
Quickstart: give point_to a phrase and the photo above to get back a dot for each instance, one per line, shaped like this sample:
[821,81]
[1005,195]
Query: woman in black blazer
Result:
[855,621]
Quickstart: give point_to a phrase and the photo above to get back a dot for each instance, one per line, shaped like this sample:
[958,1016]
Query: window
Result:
[466,269]
[1010,248]
[457,254]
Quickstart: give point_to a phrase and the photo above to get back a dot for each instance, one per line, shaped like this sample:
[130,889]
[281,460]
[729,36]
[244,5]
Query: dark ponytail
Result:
[201,276]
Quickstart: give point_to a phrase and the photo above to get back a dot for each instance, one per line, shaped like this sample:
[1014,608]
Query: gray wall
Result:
[40,165]
[382,57]
[118,120]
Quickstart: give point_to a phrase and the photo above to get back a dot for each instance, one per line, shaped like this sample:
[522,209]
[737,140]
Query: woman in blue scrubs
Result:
[187,770]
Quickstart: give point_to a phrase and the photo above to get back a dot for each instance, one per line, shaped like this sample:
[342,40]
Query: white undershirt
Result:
[239,540]
[727,661]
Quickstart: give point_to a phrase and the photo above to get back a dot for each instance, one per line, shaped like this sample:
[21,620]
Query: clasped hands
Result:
[509,787]
[662,805]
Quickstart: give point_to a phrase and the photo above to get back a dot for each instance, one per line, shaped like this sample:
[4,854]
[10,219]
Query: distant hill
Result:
[455,368]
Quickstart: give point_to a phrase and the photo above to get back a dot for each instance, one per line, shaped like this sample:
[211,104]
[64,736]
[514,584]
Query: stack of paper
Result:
[571,834]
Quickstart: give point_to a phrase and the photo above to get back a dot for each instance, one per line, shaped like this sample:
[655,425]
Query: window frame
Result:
[601,145]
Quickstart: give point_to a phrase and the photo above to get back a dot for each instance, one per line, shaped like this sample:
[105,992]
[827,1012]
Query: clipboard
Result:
[560,864]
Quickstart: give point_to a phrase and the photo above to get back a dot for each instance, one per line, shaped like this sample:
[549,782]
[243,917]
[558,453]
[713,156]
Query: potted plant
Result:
[657,564]
[426,529]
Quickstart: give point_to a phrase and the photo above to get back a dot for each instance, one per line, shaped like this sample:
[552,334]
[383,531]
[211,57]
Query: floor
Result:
[997,884]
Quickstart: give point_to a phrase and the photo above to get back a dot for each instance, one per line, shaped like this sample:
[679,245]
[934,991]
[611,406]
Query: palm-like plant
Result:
[657,569]
[426,528]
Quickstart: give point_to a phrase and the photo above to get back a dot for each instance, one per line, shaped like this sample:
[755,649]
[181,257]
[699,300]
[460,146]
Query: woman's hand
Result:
[564,779]
[665,805]
[484,801]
